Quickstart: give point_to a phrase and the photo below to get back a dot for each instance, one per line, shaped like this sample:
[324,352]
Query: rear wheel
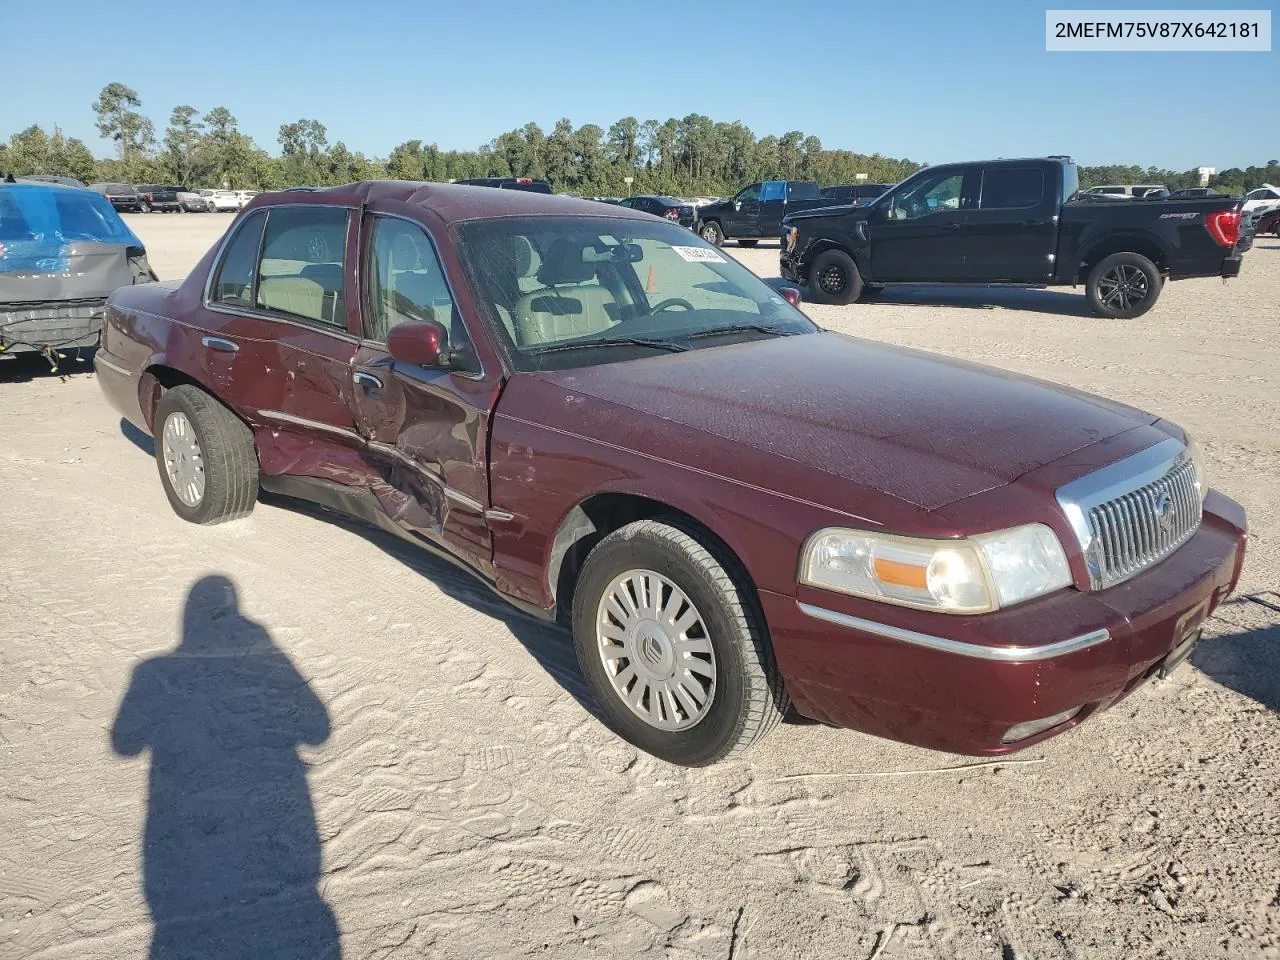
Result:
[711,232]
[1123,286]
[143,208]
[207,461]
[747,243]
[834,278]
[672,646]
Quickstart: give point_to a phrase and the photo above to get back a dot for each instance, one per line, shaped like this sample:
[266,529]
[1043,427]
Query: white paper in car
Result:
[698,255]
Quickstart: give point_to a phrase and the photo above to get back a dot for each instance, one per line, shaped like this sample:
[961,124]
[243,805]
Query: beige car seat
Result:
[572,302]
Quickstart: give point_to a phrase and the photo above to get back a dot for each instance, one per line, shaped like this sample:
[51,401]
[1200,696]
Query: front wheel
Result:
[711,232]
[672,645]
[1123,286]
[834,278]
[143,208]
[207,461]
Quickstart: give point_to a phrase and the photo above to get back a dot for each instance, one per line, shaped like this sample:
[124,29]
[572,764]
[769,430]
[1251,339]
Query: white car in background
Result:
[221,200]
[1264,198]
[245,196]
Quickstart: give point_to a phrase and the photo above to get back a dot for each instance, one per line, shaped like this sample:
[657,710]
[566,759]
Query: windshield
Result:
[39,223]
[553,284]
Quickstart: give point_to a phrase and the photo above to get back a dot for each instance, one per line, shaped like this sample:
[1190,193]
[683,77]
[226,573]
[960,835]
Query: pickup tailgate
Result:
[1193,241]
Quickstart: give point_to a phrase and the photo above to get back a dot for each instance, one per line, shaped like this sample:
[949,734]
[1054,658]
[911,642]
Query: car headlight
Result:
[1197,458]
[972,575]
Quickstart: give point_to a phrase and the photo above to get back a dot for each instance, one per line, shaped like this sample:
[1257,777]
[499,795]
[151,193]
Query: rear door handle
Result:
[367,380]
[221,344]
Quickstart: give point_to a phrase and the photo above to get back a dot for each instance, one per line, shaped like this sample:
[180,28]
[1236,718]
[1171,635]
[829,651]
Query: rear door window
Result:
[802,190]
[773,190]
[1005,188]
[302,272]
[234,280]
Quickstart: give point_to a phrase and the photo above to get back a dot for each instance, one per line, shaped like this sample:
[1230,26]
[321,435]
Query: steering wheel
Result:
[671,302]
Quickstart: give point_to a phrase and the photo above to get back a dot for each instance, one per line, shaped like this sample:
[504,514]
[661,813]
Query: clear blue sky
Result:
[933,81]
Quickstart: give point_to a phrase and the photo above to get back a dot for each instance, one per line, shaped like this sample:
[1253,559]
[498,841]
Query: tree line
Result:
[691,156]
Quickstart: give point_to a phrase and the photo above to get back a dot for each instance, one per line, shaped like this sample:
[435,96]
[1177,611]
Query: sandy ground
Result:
[366,753]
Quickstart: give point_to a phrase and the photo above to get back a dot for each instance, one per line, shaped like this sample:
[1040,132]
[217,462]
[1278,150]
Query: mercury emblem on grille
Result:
[1165,511]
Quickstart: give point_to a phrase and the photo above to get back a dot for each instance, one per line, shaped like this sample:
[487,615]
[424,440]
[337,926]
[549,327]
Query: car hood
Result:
[918,427]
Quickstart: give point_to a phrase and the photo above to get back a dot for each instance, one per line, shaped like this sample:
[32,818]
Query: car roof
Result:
[455,202]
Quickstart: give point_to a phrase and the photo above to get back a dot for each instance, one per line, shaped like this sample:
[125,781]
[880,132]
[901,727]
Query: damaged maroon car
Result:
[611,422]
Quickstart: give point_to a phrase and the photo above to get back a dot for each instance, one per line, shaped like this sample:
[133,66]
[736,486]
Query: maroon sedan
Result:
[606,419]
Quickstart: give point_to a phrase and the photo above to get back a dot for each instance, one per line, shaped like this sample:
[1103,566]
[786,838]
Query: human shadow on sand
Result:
[231,854]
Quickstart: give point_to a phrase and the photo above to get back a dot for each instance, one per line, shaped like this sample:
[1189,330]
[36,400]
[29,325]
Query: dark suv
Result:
[527,184]
[855,193]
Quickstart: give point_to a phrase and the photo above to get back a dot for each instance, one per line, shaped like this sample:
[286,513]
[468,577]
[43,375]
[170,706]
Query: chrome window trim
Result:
[1079,496]
[1048,651]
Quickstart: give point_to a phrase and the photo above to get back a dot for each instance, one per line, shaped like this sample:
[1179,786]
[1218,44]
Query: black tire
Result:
[748,699]
[230,462]
[834,278]
[1123,286]
[711,232]
[747,243]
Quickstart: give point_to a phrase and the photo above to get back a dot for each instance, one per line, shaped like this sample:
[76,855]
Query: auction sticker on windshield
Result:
[698,255]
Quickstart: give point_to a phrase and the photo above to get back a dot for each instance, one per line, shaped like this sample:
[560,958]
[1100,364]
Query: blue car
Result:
[63,250]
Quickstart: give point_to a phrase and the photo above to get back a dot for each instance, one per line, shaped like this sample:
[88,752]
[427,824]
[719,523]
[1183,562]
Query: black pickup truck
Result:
[155,196]
[1012,221]
[757,210]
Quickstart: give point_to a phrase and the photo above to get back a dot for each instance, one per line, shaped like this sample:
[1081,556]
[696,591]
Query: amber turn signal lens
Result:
[900,574]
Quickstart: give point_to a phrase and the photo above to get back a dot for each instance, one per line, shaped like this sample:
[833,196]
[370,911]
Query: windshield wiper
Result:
[743,328]
[613,342]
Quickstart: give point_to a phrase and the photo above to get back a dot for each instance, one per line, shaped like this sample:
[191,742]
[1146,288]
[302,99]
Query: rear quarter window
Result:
[1012,188]
[234,277]
[802,190]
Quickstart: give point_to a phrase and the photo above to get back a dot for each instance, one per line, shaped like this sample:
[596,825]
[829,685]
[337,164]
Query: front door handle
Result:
[367,380]
[221,344]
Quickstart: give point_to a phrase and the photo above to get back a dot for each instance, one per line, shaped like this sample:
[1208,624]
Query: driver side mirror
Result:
[422,342]
[737,204]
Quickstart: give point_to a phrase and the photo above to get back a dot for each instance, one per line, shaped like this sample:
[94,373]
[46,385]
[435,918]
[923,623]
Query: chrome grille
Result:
[1136,529]
[1134,513]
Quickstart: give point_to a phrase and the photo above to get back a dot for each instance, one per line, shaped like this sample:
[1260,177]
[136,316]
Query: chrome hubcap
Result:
[656,651]
[1122,287]
[183,460]
[709,234]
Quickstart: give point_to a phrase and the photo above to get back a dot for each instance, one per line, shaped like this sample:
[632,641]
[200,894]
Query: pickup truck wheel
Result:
[143,208]
[711,232]
[1123,286]
[672,647]
[747,243]
[834,278]
[206,457]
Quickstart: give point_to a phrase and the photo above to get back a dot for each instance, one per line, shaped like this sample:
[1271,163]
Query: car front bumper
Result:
[65,325]
[964,682]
